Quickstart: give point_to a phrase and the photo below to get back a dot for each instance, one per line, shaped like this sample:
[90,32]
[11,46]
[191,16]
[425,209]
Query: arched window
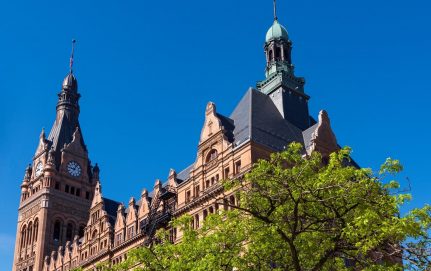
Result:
[29,232]
[81,231]
[69,232]
[212,154]
[94,235]
[57,231]
[277,53]
[35,230]
[270,56]
[23,236]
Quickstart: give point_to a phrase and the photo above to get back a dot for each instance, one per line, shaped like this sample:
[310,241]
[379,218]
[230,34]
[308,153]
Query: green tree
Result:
[298,213]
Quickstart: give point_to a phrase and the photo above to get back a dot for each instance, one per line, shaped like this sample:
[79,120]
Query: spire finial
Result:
[71,55]
[275,10]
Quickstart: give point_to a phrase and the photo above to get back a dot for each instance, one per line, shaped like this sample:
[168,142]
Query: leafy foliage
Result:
[301,214]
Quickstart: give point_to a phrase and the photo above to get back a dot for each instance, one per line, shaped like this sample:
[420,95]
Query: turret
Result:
[285,89]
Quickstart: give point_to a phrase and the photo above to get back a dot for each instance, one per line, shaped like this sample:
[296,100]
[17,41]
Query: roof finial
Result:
[275,10]
[71,56]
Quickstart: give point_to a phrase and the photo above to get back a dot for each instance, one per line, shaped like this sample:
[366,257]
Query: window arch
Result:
[212,154]
[57,231]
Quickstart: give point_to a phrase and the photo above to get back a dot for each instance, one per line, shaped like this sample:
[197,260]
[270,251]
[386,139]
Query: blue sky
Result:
[146,70]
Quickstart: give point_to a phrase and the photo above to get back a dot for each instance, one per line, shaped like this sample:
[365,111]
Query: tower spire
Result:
[71,55]
[275,10]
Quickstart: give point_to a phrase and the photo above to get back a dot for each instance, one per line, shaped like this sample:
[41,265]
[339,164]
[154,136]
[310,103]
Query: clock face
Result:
[74,169]
[39,169]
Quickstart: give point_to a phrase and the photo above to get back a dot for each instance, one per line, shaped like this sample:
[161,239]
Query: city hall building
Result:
[64,221]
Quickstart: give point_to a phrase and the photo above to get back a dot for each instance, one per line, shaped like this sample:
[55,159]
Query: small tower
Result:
[285,89]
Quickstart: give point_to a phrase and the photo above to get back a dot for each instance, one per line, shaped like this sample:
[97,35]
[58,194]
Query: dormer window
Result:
[212,154]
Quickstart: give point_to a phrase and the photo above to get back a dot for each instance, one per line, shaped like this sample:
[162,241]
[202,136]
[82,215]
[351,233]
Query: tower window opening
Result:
[23,236]
[270,56]
[29,232]
[69,232]
[66,188]
[78,192]
[35,230]
[57,185]
[72,190]
[57,230]
[277,53]
[81,231]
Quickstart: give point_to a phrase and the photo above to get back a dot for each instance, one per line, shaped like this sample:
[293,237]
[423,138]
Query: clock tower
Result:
[58,186]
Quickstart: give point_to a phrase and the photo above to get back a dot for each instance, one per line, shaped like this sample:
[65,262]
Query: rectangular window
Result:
[188,196]
[66,188]
[130,232]
[118,239]
[197,191]
[238,167]
[196,221]
[173,235]
[72,190]
[207,184]
[57,185]
[78,192]
[226,173]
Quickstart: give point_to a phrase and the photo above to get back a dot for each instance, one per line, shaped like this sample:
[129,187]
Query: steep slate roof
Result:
[185,173]
[257,118]
[62,132]
[111,207]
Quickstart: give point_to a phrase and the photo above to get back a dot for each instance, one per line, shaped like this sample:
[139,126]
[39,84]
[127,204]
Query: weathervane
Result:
[275,10]
[71,55]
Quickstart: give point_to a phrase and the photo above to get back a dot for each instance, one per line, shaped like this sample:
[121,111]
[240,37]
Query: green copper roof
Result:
[276,31]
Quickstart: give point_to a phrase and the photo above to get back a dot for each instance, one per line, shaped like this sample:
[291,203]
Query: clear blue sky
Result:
[146,70]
